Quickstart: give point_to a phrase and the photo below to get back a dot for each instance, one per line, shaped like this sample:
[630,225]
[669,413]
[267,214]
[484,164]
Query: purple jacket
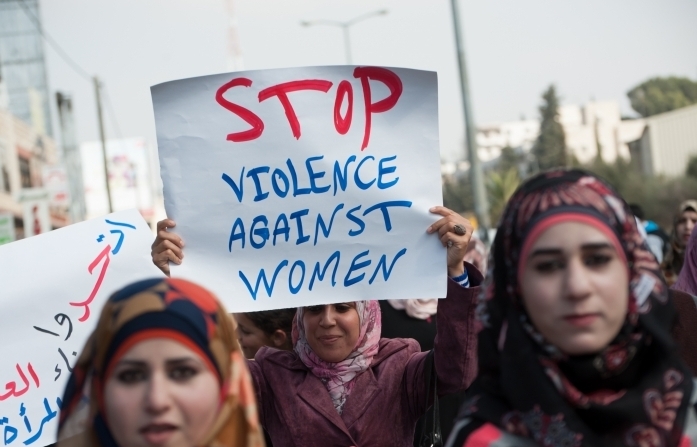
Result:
[387,399]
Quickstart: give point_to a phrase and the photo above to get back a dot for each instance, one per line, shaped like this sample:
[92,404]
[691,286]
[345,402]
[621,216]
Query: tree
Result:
[501,187]
[457,194]
[509,159]
[691,170]
[659,95]
[659,196]
[550,147]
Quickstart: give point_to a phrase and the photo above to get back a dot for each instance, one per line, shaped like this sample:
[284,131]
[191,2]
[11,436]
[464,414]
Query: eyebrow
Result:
[143,364]
[558,251]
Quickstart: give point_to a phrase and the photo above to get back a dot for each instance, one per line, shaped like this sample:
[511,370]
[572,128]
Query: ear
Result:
[279,339]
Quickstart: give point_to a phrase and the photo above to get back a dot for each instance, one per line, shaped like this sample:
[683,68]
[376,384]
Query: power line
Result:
[74,65]
[37,23]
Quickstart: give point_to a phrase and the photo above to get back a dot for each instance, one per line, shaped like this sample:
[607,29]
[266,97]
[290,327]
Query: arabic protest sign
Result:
[53,288]
[304,186]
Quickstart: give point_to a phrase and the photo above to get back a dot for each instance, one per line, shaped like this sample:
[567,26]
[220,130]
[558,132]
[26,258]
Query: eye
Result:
[131,376]
[597,259]
[549,266]
[182,373]
[314,309]
[243,331]
[342,307]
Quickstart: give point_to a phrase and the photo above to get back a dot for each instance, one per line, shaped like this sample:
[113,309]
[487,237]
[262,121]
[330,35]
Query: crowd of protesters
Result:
[567,334]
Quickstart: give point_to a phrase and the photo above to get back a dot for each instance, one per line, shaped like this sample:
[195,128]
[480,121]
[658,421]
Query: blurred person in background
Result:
[687,279]
[683,223]
[657,239]
[575,347]
[264,328]
[162,367]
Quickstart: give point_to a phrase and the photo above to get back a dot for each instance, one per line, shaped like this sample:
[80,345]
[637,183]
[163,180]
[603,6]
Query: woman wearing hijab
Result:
[344,385]
[687,279]
[163,367]
[575,347]
[683,223]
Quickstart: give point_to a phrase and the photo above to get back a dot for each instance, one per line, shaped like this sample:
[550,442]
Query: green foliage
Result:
[457,194]
[658,196]
[508,160]
[550,147]
[501,186]
[691,170]
[659,95]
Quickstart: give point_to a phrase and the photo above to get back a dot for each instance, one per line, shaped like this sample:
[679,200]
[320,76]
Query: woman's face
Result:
[686,223]
[332,331]
[575,288]
[251,338]
[161,393]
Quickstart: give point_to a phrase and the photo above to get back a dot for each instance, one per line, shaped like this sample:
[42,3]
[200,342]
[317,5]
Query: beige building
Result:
[23,155]
[667,143]
[597,129]
[594,128]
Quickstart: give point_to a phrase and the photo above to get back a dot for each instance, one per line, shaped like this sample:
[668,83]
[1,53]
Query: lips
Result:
[158,433]
[581,320]
[329,339]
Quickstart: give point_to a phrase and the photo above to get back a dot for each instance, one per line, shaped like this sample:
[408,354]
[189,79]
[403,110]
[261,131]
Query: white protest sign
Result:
[52,288]
[304,186]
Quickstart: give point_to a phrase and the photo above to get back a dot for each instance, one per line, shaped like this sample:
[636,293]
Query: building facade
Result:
[24,156]
[22,63]
[667,143]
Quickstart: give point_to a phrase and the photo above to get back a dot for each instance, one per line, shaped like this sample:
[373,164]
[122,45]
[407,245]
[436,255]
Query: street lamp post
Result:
[345,27]
[481,205]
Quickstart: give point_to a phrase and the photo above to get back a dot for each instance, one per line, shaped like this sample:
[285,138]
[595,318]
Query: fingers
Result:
[448,222]
[164,235]
[176,254]
[164,224]
[167,247]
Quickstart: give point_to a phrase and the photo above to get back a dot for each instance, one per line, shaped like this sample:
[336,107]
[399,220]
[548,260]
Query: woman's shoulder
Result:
[395,348]
[267,357]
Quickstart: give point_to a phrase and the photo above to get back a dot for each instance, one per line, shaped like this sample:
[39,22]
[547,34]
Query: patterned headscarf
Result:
[687,279]
[157,308]
[635,392]
[339,377]
[675,256]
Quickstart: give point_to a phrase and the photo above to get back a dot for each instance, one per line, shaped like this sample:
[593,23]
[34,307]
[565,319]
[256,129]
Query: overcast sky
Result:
[515,48]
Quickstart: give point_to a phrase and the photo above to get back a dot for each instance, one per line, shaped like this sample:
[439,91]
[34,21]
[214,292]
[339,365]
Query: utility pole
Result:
[71,158]
[98,95]
[481,205]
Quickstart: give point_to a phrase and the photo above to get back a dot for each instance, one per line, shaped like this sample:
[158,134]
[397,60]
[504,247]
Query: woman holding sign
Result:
[161,368]
[343,385]
[576,347]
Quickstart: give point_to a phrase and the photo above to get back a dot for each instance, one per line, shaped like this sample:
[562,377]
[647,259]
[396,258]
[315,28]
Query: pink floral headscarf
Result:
[687,279]
[339,377]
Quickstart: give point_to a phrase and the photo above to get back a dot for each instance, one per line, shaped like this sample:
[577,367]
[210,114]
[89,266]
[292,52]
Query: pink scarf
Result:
[420,309]
[339,377]
[687,280]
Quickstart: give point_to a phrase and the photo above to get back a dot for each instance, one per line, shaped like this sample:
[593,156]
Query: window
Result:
[25,172]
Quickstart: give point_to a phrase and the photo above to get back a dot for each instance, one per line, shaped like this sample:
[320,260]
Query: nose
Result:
[157,398]
[328,317]
[578,285]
